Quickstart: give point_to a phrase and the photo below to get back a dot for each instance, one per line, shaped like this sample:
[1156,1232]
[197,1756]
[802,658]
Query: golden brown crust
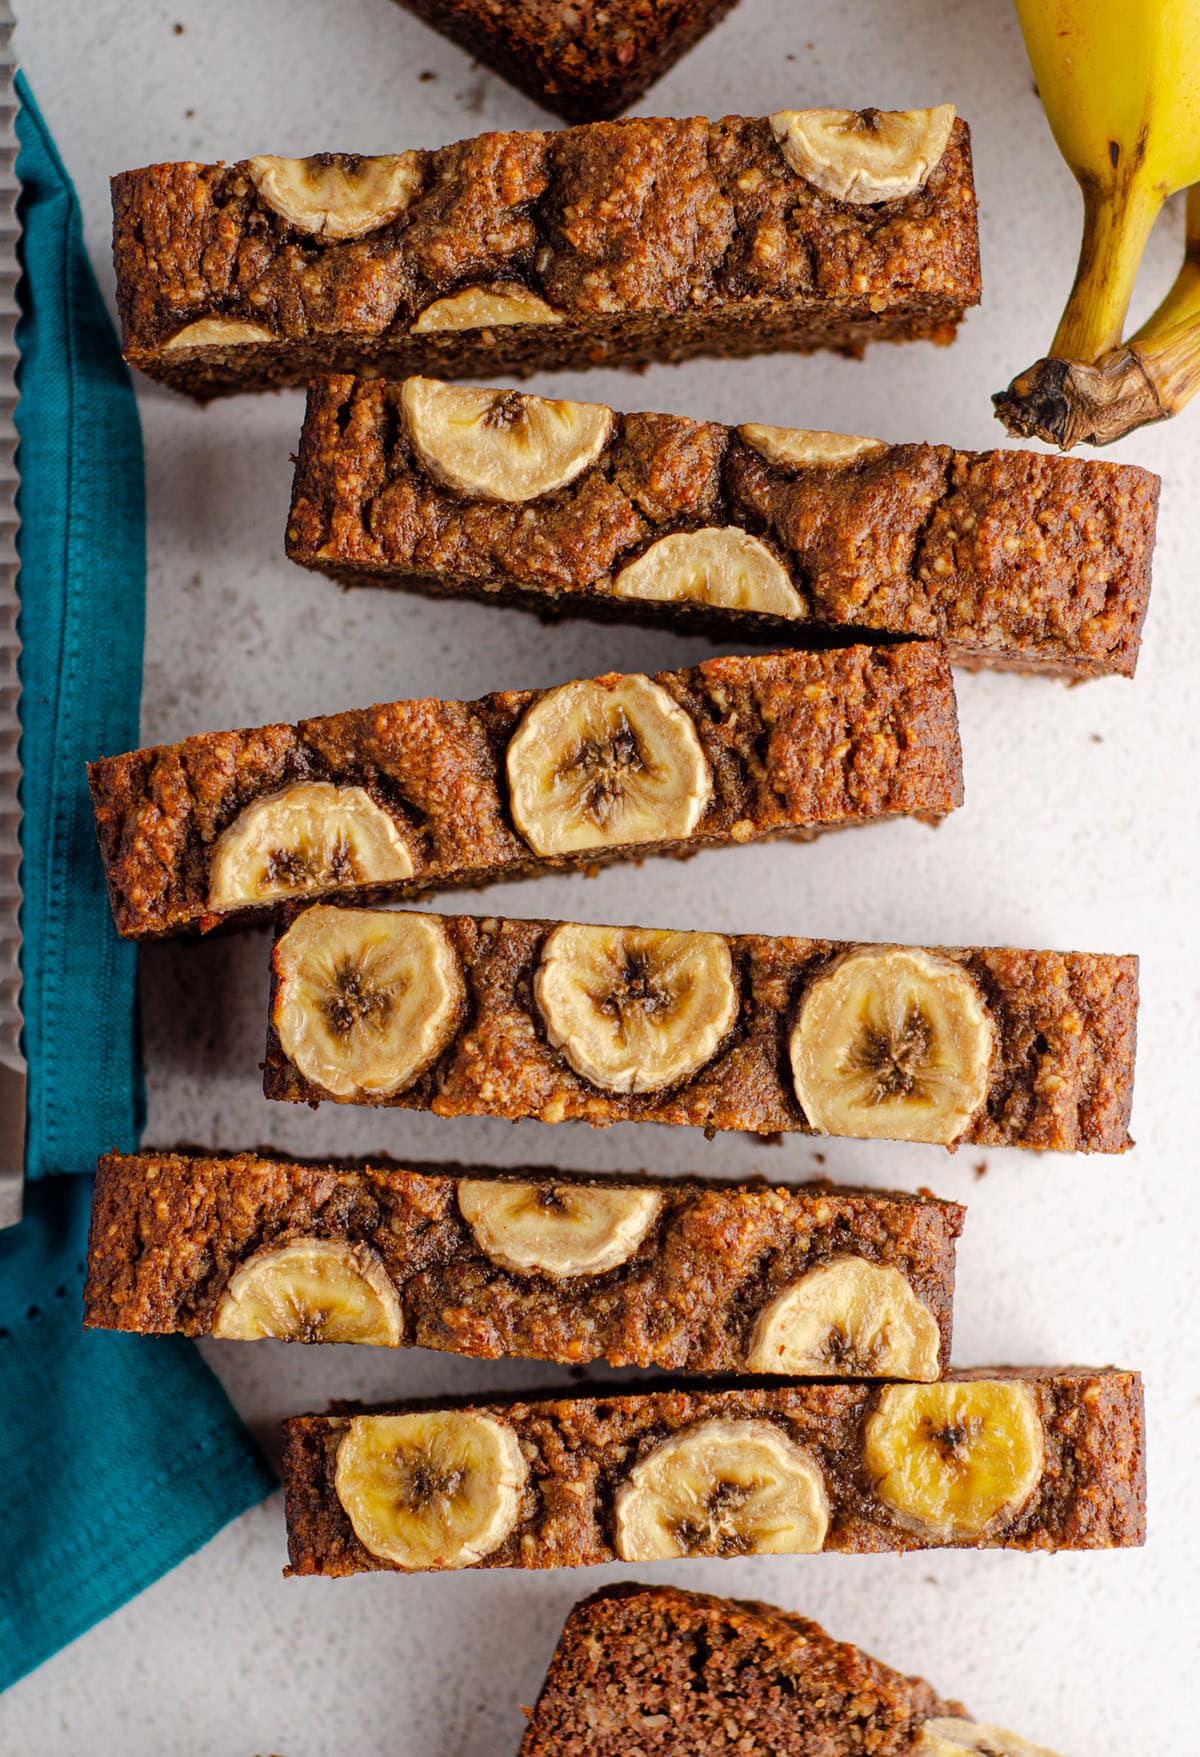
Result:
[733,253]
[169,1231]
[796,742]
[1061,1077]
[718,1675]
[1010,557]
[1091,1493]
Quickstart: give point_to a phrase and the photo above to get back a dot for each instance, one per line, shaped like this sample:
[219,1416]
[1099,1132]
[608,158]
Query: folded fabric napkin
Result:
[119,1455]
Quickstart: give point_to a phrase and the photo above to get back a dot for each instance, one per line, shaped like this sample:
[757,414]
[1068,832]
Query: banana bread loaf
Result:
[681,1274]
[519,252]
[583,58]
[1017,1459]
[674,1674]
[410,797]
[1012,558]
[465,1016]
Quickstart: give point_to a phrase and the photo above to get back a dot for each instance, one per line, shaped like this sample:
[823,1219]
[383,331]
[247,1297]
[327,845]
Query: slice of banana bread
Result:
[513,252]
[466,1016]
[669,1673]
[410,797]
[1012,1458]
[672,1674]
[587,59]
[682,1274]
[1013,558]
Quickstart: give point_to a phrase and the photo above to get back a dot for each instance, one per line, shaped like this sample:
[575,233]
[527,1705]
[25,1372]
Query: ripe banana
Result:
[1120,82]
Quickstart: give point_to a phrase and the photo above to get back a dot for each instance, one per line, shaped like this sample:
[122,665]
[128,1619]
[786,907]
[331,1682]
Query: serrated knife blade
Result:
[12,1059]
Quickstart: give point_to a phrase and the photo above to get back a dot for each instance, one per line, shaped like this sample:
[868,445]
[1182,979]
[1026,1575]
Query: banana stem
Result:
[1116,225]
[1068,398]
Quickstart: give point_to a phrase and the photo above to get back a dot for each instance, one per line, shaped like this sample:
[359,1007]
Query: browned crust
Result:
[585,61]
[168,1232]
[1034,561]
[796,743]
[1062,1073]
[579,1448]
[731,254]
[717,1675]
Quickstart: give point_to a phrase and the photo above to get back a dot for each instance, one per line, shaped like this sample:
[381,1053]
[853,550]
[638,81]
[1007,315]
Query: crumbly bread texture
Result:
[674,1673]
[585,59]
[647,1272]
[1013,558]
[517,252]
[1044,1057]
[1013,1458]
[410,797]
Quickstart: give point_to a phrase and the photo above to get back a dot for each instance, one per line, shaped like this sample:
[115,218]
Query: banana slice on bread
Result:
[500,444]
[312,1290]
[556,1229]
[848,1316]
[301,841]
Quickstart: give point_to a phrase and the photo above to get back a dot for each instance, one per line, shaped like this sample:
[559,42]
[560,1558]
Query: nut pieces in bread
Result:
[635,1009]
[864,156]
[304,840]
[723,1488]
[957,1459]
[430,1489]
[556,1229]
[892,1043]
[500,444]
[311,1290]
[848,1316]
[721,565]
[605,763]
[365,999]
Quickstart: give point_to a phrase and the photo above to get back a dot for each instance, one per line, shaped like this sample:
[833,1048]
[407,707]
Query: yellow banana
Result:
[1120,82]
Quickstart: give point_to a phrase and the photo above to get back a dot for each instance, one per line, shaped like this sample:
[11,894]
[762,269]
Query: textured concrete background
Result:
[1079,830]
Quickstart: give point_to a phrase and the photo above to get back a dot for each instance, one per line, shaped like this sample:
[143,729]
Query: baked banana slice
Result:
[365,999]
[848,1316]
[956,1459]
[220,332]
[504,304]
[303,840]
[809,447]
[892,1043]
[312,1290]
[635,1009]
[864,156]
[560,1229]
[335,196]
[501,444]
[431,1489]
[722,565]
[723,1488]
[606,763]
[949,1737]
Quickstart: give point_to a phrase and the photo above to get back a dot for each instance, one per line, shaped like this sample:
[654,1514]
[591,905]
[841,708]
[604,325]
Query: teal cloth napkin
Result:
[119,1455]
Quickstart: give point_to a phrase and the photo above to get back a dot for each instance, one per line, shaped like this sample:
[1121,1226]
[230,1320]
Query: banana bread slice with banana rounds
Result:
[410,797]
[585,59]
[683,1274]
[514,253]
[1012,558]
[470,1016]
[1012,1458]
[673,1673]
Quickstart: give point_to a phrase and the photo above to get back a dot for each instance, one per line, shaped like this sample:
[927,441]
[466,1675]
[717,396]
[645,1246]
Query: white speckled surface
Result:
[1080,830]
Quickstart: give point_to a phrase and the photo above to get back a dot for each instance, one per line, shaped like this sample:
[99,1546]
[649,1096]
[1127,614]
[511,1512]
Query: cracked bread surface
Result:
[169,1231]
[1061,1077]
[579,1449]
[675,1673]
[585,60]
[732,254]
[794,742]
[1012,558]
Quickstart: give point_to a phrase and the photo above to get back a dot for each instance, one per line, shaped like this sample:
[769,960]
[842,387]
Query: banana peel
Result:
[1120,82]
